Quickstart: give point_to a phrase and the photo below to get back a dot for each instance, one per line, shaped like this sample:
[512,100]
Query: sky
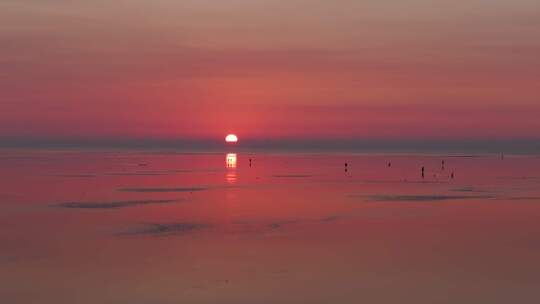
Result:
[269,70]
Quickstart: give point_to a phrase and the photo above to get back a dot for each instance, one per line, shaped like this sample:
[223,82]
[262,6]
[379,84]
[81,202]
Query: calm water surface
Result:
[127,227]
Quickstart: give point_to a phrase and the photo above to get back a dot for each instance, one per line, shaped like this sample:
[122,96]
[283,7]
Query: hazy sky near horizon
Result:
[270,69]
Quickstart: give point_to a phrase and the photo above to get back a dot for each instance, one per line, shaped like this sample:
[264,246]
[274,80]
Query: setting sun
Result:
[231,138]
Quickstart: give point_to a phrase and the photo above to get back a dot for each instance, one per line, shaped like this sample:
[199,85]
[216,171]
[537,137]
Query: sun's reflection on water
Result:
[230,163]
[230,160]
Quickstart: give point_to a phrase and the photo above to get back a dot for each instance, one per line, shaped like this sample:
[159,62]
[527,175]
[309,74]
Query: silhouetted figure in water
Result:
[452,175]
[346,167]
[423,172]
[250,162]
[442,165]
[389,164]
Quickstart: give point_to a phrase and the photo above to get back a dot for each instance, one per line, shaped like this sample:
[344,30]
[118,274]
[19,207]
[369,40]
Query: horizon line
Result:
[428,145]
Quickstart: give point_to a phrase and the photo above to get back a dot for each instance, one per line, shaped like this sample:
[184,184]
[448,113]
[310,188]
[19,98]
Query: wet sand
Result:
[134,227]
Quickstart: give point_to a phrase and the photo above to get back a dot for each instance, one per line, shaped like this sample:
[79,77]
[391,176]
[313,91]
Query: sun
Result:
[231,138]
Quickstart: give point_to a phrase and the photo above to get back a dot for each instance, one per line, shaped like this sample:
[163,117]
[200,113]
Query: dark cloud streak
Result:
[112,204]
[423,198]
[161,229]
[144,190]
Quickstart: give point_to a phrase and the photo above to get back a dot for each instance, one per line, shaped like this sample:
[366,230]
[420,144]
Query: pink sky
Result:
[270,69]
